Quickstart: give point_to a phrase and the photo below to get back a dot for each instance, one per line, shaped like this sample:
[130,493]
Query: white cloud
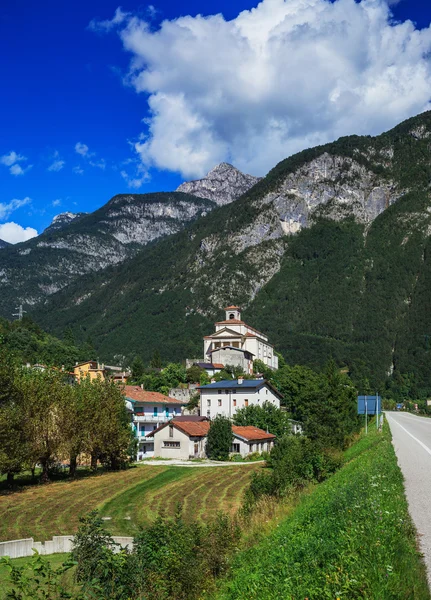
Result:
[57,165]
[56,202]
[100,164]
[104,26]
[81,149]
[11,158]
[7,208]
[14,233]
[57,162]
[276,79]
[12,161]
[135,181]
[78,170]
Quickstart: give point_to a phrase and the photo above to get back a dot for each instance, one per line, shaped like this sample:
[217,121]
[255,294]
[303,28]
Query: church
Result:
[238,344]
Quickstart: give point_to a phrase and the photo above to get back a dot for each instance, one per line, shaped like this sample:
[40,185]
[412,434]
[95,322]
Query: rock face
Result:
[77,244]
[4,244]
[223,184]
[62,220]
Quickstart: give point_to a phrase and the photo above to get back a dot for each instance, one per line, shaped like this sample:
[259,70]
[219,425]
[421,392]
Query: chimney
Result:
[212,380]
[76,363]
[142,386]
[240,380]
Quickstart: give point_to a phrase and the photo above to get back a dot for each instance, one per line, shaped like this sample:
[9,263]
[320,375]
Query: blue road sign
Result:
[370,405]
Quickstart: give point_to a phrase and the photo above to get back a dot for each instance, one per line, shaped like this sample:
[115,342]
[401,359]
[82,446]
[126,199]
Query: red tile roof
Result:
[201,428]
[218,365]
[134,392]
[234,321]
[251,433]
[232,308]
[191,428]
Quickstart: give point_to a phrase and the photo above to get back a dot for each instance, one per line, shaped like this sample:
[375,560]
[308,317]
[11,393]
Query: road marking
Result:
[412,436]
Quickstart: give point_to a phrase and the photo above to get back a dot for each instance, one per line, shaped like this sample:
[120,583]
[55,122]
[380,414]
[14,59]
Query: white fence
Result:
[59,543]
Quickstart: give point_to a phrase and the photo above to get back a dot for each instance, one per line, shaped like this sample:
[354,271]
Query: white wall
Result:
[178,446]
[59,543]
[214,403]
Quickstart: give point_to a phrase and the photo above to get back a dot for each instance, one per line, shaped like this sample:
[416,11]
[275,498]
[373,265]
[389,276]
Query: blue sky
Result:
[80,122]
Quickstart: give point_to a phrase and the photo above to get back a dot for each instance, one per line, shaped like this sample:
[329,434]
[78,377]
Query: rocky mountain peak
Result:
[223,184]
[62,220]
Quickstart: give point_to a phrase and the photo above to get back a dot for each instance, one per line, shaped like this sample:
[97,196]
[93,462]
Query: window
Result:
[231,316]
[171,431]
[209,414]
[155,411]
[208,402]
[226,391]
[219,391]
[154,427]
[251,447]
[219,401]
[235,448]
[246,402]
[171,444]
[234,401]
[235,344]
[233,391]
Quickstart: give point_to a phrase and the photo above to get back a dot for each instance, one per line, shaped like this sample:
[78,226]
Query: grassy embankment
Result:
[131,498]
[351,538]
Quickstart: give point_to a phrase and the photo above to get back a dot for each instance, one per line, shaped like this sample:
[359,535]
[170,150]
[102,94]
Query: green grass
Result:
[41,511]
[351,538]
[202,492]
[56,561]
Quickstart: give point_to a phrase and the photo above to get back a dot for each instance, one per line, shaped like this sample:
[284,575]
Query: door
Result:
[196,450]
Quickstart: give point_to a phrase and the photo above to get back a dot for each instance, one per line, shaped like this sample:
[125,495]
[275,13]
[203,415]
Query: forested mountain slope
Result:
[77,244]
[329,254]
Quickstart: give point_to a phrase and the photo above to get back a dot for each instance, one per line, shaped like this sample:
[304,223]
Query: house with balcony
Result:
[227,396]
[150,410]
[238,344]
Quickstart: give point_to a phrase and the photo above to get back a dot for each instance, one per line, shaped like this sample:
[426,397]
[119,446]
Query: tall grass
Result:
[351,538]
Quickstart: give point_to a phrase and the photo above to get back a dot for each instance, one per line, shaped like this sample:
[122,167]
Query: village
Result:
[166,429]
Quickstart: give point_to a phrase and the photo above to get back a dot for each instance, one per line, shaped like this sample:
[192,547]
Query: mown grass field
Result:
[351,538]
[202,492]
[130,498]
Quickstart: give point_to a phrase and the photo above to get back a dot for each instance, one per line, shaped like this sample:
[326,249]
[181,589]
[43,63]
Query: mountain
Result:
[63,220]
[223,184]
[86,243]
[4,244]
[329,254]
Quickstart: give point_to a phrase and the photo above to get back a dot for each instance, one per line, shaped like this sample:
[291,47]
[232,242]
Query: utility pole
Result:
[20,312]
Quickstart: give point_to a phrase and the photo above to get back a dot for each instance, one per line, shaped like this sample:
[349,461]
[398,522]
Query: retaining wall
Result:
[59,543]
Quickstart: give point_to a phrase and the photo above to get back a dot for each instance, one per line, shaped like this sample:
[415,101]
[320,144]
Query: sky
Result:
[100,98]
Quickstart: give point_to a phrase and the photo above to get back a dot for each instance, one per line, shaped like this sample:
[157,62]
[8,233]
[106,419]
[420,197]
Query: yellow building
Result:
[90,368]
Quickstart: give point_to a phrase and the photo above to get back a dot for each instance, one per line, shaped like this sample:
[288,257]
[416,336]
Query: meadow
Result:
[126,499]
[351,538]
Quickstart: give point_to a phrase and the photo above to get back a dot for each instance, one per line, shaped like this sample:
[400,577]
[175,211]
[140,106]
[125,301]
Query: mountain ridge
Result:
[329,254]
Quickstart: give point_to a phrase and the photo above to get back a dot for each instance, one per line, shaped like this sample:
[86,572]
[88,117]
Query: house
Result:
[150,409]
[227,396]
[186,437]
[236,343]
[210,368]
[249,439]
[91,369]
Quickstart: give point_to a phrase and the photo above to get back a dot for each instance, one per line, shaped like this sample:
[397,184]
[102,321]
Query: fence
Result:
[59,543]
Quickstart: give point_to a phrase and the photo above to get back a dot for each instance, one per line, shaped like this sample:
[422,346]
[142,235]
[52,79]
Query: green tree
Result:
[267,417]
[219,439]
[45,399]
[156,361]
[137,368]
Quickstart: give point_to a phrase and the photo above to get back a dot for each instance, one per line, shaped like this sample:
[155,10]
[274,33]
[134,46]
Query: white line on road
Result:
[412,436]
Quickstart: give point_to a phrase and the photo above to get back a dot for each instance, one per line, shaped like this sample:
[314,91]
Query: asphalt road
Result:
[411,437]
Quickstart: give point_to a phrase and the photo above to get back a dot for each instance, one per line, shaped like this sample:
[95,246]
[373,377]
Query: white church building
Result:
[238,344]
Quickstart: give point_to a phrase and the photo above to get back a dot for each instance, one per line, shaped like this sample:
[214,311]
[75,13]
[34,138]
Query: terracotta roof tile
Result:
[191,428]
[251,433]
[232,307]
[134,392]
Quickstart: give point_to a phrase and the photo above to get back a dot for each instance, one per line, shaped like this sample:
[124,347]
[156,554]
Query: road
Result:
[411,437]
